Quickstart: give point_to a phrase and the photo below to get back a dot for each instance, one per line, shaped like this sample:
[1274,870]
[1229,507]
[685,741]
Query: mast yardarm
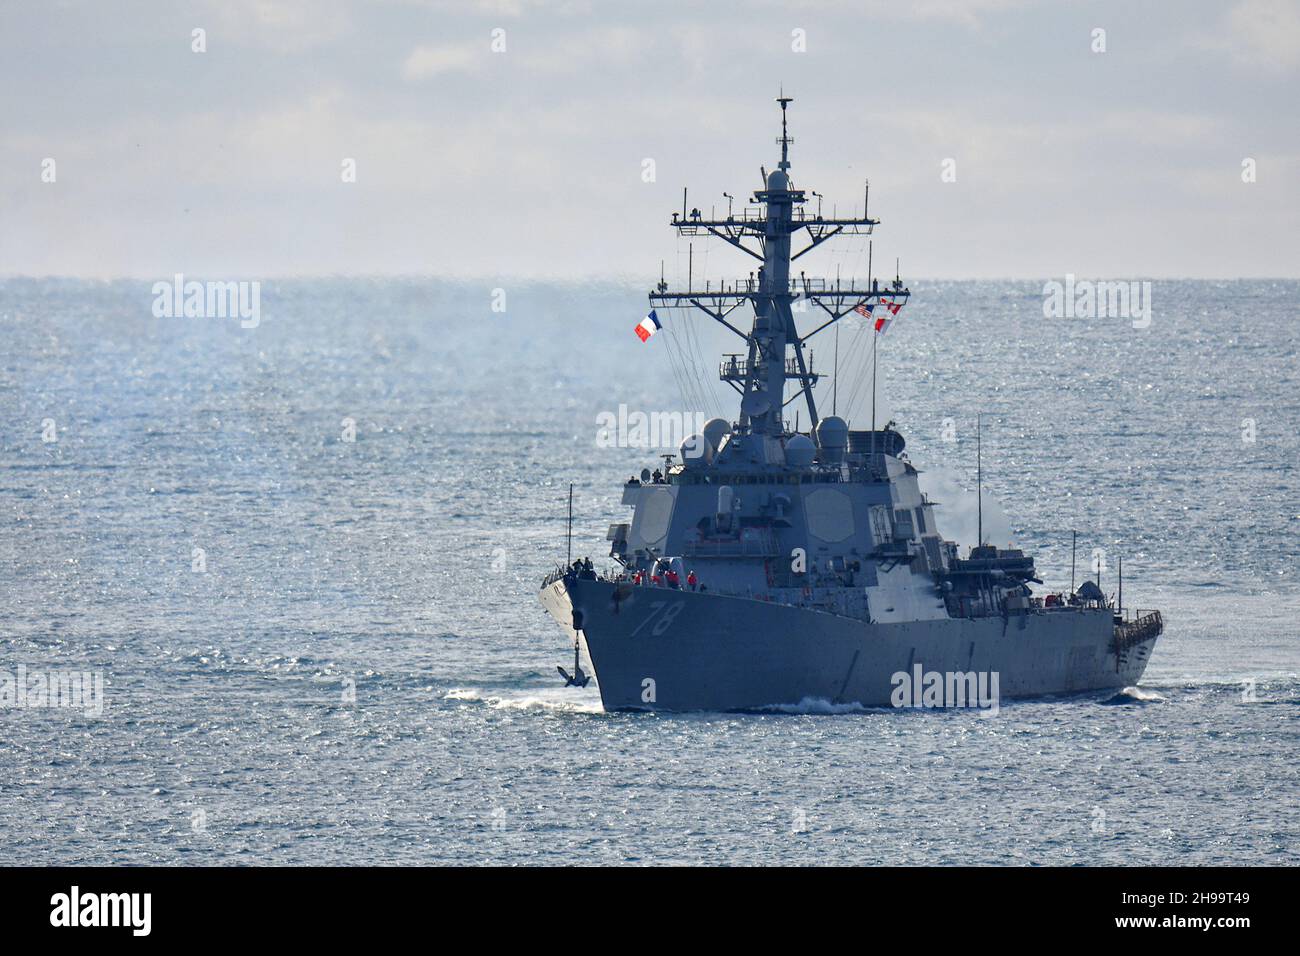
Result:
[774,347]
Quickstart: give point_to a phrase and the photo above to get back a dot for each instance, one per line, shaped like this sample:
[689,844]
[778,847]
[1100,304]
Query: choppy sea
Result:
[320,642]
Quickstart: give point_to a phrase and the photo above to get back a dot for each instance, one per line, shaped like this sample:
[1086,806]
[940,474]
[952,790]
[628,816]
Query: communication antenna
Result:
[1121,585]
[785,137]
[835,379]
[1074,550]
[769,237]
[569,560]
[979,479]
[875,341]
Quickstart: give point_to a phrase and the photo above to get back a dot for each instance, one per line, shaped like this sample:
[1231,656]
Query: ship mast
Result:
[775,350]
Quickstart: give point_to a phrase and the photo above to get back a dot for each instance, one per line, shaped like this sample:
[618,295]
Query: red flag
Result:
[882,323]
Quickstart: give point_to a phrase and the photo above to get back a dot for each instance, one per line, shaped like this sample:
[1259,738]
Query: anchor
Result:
[579,679]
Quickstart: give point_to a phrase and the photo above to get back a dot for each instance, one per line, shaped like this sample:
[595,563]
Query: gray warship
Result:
[767,567]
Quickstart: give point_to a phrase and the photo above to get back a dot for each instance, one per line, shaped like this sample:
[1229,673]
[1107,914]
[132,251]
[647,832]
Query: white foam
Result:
[817,705]
[560,699]
[1138,694]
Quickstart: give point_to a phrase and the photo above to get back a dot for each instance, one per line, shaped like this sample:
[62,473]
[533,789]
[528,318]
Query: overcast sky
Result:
[470,162]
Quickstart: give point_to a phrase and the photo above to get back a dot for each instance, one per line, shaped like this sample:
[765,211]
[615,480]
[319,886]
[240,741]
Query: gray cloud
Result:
[529,162]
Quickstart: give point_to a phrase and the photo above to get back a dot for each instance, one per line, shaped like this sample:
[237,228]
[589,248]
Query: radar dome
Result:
[777,180]
[714,431]
[799,451]
[832,439]
[833,432]
[696,451]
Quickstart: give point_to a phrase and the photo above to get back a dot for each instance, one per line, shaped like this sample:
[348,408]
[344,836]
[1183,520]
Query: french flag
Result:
[648,326]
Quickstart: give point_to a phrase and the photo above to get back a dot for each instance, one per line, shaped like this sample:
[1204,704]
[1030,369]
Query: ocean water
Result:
[353,667]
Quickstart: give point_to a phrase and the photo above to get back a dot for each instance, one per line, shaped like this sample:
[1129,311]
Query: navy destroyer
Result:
[768,566]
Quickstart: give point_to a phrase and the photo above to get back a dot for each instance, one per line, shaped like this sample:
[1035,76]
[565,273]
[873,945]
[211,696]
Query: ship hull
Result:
[676,650]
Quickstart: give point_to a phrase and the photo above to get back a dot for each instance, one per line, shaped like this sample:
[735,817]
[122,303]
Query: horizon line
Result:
[587,278]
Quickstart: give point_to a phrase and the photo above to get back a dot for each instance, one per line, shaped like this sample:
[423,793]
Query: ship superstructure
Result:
[768,566]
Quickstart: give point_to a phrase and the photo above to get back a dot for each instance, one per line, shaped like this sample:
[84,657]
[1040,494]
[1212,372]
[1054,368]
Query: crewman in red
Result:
[673,580]
[636,578]
[655,579]
[691,580]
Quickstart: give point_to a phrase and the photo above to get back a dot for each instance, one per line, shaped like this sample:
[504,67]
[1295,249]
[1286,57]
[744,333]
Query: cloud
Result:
[507,8]
[564,54]
[1065,159]
[578,52]
[427,61]
[1257,34]
[1266,31]
[284,26]
[968,13]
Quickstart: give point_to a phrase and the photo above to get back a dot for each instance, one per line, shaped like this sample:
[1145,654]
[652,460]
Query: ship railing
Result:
[734,367]
[564,572]
[1132,615]
[743,214]
[750,213]
[812,286]
[1143,626]
[560,573]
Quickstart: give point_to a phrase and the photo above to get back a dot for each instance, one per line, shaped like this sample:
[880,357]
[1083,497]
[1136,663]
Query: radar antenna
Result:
[775,349]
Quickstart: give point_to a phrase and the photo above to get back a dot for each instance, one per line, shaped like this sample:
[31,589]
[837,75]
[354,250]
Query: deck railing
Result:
[1143,626]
